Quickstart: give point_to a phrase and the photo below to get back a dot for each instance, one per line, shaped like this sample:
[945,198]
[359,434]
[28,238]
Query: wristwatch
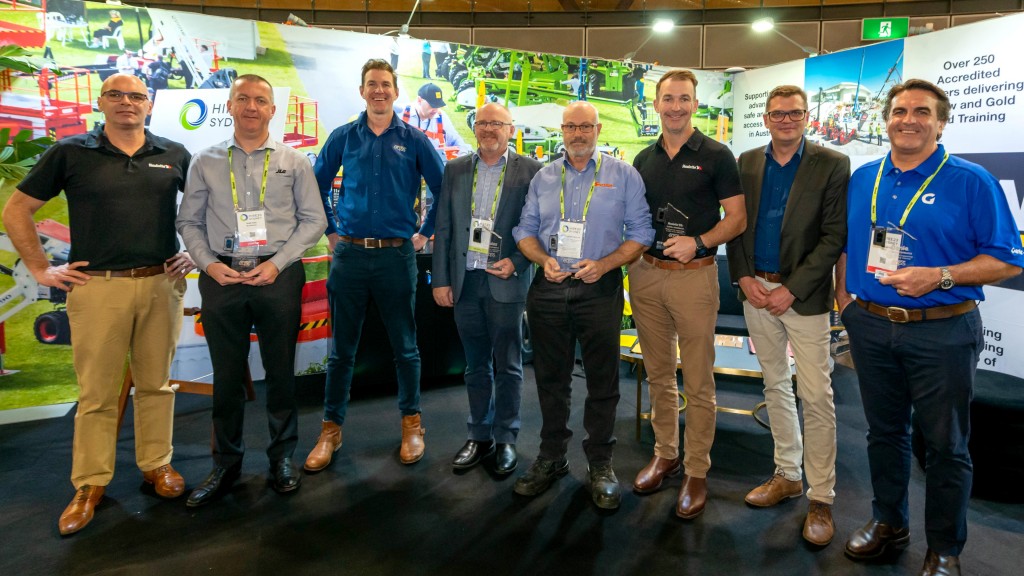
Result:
[702,250]
[947,279]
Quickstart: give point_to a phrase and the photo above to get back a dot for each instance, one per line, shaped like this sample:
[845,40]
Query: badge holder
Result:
[675,223]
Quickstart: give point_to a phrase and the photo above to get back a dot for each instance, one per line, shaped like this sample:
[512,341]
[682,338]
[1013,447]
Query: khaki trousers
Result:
[809,338]
[111,319]
[670,307]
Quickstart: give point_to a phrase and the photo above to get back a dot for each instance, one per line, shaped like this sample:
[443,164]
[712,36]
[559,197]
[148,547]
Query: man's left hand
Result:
[263,275]
[681,248]
[419,241]
[178,266]
[779,301]
[590,271]
[503,269]
[913,282]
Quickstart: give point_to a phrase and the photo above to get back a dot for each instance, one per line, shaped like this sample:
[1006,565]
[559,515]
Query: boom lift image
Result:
[50,327]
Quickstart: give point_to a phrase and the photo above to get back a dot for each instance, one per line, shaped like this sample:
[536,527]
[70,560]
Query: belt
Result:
[140,272]
[227,259]
[677,265]
[904,315]
[769,276]
[374,242]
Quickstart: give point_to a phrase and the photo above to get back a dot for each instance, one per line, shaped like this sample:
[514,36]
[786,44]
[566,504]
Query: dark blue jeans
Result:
[388,275]
[492,337]
[927,367]
[559,315]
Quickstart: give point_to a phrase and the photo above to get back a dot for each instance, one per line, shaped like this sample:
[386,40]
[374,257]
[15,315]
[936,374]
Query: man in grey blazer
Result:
[796,229]
[479,271]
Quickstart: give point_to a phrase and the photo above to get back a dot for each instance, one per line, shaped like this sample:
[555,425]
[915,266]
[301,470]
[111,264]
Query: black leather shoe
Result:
[471,454]
[284,477]
[505,459]
[876,539]
[541,475]
[604,487]
[936,565]
[216,484]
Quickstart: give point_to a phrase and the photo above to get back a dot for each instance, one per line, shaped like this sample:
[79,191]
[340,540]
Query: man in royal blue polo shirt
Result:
[926,231]
[373,234]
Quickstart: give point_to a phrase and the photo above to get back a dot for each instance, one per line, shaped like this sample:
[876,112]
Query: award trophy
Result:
[674,221]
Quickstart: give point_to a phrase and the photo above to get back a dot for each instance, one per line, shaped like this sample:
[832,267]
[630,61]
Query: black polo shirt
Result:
[702,174]
[121,209]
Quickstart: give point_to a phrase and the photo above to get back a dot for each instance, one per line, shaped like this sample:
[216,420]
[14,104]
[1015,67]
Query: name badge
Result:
[570,243]
[252,227]
[884,251]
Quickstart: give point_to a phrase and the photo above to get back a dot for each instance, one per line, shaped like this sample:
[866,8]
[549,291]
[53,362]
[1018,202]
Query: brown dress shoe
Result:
[166,481]
[650,478]
[774,490]
[412,439]
[876,539]
[79,512]
[692,496]
[936,565]
[327,444]
[818,526]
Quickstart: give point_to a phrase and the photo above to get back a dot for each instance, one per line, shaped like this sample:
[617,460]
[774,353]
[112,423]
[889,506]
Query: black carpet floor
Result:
[369,514]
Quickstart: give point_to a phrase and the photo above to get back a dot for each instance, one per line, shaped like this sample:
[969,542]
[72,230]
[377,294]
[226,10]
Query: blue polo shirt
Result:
[962,213]
[381,180]
[775,187]
[618,210]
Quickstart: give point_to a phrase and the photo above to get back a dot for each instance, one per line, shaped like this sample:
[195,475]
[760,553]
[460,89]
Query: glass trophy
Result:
[674,223]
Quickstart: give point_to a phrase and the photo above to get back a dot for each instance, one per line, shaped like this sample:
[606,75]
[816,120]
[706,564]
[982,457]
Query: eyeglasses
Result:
[584,128]
[780,115]
[493,125]
[117,96]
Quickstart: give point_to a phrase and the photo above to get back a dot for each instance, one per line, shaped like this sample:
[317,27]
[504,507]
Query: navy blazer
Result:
[454,212]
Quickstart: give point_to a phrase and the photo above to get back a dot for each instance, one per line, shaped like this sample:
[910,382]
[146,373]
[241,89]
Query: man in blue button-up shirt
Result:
[374,238]
[605,196]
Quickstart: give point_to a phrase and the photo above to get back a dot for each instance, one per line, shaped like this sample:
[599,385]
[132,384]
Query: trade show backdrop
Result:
[188,60]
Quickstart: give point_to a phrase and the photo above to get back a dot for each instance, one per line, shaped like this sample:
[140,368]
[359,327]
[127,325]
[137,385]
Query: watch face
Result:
[946,283]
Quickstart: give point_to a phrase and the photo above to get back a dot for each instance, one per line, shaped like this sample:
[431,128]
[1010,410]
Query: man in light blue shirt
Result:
[585,217]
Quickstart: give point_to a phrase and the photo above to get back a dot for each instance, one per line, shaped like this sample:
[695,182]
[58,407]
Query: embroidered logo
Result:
[164,166]
[399,148]
[281,171]
[691,167]
[928,198]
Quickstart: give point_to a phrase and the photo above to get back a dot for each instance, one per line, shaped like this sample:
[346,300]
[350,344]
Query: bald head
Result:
[124,81]
[493,129]
[581,107]
[580,128]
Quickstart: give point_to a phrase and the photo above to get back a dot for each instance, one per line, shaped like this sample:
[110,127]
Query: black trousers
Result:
[559,315]
[228,314]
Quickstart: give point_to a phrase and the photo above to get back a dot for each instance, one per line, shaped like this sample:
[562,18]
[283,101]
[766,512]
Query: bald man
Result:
[125,282]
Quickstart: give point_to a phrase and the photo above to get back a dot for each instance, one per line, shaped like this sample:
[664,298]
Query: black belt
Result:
[769,276]
[227,259]
[904,315]
[373,242]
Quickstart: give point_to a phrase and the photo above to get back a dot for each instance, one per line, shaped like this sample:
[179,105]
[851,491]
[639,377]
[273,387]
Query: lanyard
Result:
[263,186]
[913,201]
[497,191]
[561,192]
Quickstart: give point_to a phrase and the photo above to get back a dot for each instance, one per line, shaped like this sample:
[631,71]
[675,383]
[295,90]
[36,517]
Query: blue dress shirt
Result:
[775,188]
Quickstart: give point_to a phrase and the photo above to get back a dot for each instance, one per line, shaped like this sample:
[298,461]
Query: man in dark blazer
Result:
[479,271]
[796,228]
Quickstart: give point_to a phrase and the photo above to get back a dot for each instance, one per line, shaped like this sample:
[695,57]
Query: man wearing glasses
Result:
[585,217]
[124,279]
[373,234]
[796,207]
[690,178]
[478,270]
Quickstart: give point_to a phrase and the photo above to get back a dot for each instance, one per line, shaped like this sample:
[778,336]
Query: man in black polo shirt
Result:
[125,281]
[674,285]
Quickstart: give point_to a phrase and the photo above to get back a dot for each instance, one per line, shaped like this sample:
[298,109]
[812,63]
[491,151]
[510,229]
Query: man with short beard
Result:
[689,179]
[479,271]
[585,217]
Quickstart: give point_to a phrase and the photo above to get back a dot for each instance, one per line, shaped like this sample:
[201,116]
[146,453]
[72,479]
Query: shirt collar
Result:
[931,164]
[799,151]
[503,159]
[693,142]
[591,162]
[268,143]
[98,139]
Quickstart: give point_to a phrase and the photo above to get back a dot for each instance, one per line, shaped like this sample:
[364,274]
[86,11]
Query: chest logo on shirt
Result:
[281,171]
[603,185]
[399,148]
[691,167]
[928,198]
[164,166]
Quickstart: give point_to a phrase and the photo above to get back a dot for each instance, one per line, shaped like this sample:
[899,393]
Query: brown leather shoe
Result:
[79,512]
[166,481]
[412,439]
[327,444]
[650,478]
[774,490]
[818,526]
[692,496]
[936,565]
[876,539]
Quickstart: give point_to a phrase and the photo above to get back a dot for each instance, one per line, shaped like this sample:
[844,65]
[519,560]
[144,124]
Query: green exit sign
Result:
[884,28]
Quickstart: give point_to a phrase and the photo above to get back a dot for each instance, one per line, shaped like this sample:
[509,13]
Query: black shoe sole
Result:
[558,473]
[284,489]
[894,546]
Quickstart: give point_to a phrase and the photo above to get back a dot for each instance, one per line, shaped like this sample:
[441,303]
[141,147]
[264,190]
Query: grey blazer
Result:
[451,234]
[813,226]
